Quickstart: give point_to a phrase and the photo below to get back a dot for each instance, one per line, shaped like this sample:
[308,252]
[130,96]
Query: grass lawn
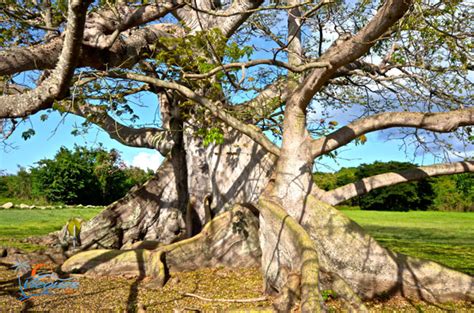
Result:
[17,224]
[444,237]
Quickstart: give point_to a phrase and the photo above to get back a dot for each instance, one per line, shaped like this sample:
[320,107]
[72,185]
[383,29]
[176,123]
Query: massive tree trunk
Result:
[236,172]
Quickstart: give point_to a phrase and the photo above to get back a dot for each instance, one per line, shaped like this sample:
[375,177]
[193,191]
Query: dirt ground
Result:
[130,295]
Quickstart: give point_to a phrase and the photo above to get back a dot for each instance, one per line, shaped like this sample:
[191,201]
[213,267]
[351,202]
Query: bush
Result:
[85,176]
[77,176]
[16,186]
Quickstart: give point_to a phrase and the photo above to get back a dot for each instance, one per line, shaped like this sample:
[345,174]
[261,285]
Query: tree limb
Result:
[148,137]
[349,48]
[367,184]
[57,84]
[101,27]
[437,122]
[266,102]
[216,108]
[199,15]
[292,68]
[123,53]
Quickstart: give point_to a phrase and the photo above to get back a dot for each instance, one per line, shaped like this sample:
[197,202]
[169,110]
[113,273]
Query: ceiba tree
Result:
[403,64]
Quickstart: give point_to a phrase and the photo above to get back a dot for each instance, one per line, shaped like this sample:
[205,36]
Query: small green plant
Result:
[328,294]
[212,135]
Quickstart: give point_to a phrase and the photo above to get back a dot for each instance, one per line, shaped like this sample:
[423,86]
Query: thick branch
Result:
[367,184]
[103,27]
[216,108]
[148,137]
[437,122]
[199,15]
[348,49]
[57,84]
[123,53]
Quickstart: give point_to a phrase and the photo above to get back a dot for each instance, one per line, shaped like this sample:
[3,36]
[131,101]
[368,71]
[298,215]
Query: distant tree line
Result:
[80,175]
[444,193]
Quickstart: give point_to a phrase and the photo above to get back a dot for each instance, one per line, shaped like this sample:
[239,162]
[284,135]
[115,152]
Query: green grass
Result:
[17,224]
[444,237]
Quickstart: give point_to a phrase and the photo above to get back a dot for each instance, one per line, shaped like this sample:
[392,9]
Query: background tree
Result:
[17,186]
[78,176]
[453,193]
[401,64]
[403,197]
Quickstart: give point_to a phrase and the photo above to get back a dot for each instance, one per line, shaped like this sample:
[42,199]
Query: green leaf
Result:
[28,134]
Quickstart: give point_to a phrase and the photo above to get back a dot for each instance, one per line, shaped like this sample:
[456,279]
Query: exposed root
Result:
[335,282]
[293,249]
[335,244]
[230,240]
[371,270]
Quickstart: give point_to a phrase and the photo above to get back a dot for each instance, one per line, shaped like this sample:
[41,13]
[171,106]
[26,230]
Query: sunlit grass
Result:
[444,237]
[18,224]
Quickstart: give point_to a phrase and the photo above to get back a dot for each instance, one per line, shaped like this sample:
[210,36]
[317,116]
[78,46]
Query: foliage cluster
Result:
[75,176]
[444,193]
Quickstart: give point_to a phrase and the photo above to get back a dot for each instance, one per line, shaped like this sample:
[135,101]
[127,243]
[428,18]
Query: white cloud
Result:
[145,160]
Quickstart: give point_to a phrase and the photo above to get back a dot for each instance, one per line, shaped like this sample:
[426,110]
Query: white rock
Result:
[7,205]
[24,206]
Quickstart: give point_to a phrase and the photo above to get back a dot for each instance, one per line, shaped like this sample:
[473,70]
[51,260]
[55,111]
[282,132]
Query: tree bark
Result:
[234,172]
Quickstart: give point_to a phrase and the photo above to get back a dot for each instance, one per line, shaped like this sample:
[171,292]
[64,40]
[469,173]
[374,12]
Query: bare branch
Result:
[199,15]
[437,122]
[103,27]
[124,53]
[215,107]
[148,137]
[348,48]
[266,102]
[367,184]
[57,84]
[292,68]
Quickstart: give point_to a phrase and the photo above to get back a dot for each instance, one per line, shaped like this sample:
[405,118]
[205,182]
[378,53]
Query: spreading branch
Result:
[200,15]
[146,137]
[266,102]
[215,107]
[436,122]
[349,48]
[103,27]
[57,84]
[367,184]
[292,68]
[122,53]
